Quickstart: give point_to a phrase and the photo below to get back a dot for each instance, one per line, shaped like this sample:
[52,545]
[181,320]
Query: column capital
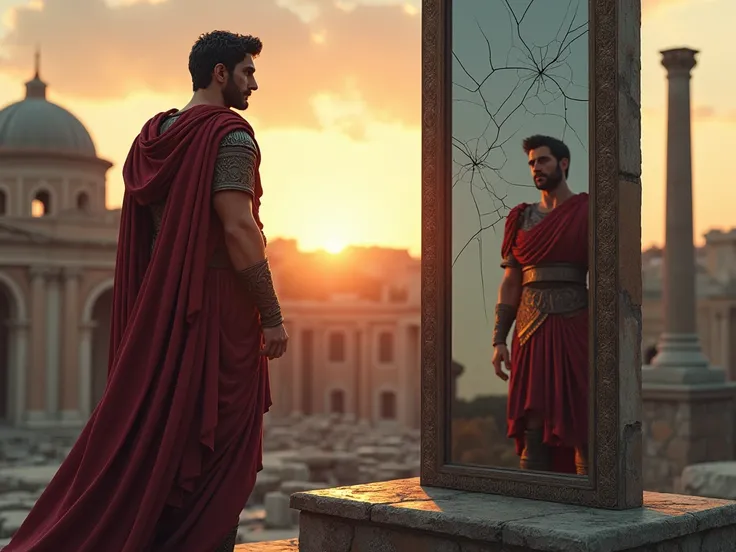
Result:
[679,61]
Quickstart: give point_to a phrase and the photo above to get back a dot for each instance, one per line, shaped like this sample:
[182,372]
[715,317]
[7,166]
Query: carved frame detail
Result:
[605,487]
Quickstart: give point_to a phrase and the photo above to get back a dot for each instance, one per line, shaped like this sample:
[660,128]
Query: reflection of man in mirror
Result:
[545,259]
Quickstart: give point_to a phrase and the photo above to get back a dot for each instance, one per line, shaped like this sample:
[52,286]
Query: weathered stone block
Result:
[715,479]
[407,517]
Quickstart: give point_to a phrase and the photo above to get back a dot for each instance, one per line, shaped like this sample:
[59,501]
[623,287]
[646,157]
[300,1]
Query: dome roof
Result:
[37,124]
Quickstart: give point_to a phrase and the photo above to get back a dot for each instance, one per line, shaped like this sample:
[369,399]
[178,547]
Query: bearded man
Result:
[544,290]
[170,454]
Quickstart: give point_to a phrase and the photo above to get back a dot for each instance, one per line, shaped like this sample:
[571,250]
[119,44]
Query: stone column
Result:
[365,384]
[297,377]
[18,338]
[70,403]
[85,368]
[680,358]
[401,358]
[53,343]
[723,331]
[36,393]
[688,408]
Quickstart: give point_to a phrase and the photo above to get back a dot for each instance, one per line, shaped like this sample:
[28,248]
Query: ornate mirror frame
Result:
[615,480]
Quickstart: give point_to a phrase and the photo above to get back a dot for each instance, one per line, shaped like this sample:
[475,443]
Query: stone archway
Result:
[93,345]
[13,347]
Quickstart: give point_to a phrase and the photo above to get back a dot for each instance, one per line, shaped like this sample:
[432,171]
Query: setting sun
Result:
[334,245]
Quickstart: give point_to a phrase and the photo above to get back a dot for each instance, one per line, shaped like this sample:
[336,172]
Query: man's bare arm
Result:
[243,237]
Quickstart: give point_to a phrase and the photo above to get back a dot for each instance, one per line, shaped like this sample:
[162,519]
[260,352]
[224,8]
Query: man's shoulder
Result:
[239,137]
[518,210]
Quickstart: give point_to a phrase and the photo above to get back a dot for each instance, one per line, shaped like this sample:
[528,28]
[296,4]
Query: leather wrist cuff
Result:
[259,284]
[505,316]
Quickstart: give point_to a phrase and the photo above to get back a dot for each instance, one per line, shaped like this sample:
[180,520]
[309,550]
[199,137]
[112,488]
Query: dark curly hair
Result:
[219,47]
[557,148]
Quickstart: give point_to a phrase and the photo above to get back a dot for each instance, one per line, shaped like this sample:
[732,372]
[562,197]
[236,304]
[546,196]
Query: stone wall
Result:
[685,426]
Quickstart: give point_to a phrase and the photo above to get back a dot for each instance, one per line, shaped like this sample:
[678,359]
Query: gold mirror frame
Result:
[614,480]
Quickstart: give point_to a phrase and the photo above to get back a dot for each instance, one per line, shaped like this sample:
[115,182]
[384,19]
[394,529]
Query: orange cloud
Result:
[94,50]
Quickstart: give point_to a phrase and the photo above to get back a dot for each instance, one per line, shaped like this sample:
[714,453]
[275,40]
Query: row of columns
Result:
[60,360]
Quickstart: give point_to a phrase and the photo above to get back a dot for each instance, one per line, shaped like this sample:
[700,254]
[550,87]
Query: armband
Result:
[259,284]
[505,316]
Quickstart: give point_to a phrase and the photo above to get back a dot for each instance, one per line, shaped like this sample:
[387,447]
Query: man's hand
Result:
[276,339]
[501,355]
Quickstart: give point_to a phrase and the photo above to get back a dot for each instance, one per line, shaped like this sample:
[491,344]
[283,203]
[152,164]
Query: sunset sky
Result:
[338,111]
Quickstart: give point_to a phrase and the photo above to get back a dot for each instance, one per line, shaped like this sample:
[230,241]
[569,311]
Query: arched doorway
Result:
[101,316]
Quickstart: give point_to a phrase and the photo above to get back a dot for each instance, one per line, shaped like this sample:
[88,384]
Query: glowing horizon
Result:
[340,130]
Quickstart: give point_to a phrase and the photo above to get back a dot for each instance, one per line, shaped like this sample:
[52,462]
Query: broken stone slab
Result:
[711,479]
[377,516]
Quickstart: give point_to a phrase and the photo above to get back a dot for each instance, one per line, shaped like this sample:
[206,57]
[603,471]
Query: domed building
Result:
[57,255]
[354,352]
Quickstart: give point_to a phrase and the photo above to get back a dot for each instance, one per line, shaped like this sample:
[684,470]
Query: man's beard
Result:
[233,97]
[550,181]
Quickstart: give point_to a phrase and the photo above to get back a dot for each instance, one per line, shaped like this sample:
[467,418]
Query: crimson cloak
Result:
[169,456]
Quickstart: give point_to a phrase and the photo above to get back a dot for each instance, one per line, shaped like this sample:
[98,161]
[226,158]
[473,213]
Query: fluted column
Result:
[36,390]
[85,368]
[53,343]
[18,340]
[70,399]
[680,358]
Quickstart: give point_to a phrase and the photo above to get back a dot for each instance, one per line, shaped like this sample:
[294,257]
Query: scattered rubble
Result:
[300,453]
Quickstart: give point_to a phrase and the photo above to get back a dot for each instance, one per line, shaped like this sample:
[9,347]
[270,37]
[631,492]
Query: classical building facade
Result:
[348,354]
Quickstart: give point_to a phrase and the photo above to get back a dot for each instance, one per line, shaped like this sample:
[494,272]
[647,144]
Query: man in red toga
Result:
[544,289]
[170,455]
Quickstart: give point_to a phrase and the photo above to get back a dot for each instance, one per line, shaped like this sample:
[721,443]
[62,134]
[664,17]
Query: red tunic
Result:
[169,457]
[549,373]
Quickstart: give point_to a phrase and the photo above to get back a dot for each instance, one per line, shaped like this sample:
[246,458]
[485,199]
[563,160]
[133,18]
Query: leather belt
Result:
[559,272]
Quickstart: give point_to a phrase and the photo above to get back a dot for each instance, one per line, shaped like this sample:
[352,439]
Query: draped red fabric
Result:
[549,373]
[169,456]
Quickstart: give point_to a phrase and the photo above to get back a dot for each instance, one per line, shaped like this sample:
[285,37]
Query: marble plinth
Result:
[397,516]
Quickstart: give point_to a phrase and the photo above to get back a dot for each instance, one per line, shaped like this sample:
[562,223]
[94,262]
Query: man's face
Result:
[240,84]
[546,170]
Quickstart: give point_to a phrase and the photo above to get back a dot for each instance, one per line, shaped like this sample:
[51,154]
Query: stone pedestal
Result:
[684,425]
[398,516]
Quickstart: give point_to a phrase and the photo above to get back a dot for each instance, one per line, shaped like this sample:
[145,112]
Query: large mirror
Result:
[531,249]
[519,226]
